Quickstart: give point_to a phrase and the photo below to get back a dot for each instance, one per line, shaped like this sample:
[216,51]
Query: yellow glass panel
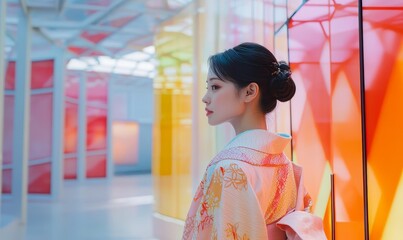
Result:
[172,131]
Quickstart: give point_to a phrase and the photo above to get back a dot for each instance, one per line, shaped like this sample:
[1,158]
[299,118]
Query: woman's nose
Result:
[204,99]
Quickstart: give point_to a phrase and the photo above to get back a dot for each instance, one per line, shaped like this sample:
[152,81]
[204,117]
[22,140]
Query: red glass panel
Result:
[70,168]
[39,178]
[94,37]
[6,182]
[10,76]
[42,74]
[96,166]
[96,128]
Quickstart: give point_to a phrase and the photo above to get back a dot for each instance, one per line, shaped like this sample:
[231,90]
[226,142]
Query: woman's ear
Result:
[251,92]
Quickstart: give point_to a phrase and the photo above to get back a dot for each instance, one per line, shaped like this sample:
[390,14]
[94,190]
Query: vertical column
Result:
[3,6]
[82,128]
[109,143]
[21,116]
[58,122]
[196,96]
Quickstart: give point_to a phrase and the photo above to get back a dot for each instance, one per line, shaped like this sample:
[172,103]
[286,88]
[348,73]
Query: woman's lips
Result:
[208,112]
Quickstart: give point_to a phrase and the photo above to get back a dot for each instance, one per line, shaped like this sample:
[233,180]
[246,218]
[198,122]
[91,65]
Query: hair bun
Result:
[282,86]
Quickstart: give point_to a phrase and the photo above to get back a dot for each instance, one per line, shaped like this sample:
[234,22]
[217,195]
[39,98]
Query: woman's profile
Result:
[250,189]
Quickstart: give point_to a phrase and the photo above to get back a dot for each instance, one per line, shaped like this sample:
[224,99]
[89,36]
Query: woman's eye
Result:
[214,87]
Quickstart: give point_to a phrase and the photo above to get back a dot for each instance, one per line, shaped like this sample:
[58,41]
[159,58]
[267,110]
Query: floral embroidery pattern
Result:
[235,178]
[232,232]
[189,225]
[208,197]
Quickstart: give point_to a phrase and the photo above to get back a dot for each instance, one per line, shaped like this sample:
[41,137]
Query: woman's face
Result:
[223,103]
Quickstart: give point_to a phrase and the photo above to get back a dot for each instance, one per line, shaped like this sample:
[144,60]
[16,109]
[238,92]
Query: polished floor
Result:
[119,209]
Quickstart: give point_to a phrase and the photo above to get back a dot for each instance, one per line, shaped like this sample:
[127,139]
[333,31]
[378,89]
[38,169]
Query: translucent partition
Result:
[172,130]
[336,76]
[91,143]
[324,52]
[383,64]
[40,135]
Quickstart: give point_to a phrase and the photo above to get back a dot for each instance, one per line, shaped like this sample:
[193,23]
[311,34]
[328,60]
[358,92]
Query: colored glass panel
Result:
[172,129]
[71,127]
[40,130]
[39,178]
[96,166]
[125,142]
[383,62]
[96,128]
[70,168]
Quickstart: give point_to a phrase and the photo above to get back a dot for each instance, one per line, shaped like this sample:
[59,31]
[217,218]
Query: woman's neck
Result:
[248,122]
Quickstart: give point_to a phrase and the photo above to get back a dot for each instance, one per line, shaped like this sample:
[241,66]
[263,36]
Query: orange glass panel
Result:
[383,52]
[326,118]
[125,137]
[96,128]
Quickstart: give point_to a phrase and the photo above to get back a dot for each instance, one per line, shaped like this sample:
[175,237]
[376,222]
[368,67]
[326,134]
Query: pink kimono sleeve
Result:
[301,224]
[237,213]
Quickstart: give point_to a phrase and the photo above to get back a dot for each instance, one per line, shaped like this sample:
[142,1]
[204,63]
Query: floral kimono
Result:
[251,190]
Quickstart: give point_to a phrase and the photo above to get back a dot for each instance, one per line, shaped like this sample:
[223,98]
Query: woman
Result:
[250,189]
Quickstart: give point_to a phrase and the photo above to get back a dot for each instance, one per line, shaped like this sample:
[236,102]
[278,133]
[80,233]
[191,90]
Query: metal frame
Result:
[49,28]
[21,116]
[82,128]
[3,13]
[58,110]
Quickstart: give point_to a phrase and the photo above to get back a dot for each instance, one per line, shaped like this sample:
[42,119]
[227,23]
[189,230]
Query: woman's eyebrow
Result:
[213,78]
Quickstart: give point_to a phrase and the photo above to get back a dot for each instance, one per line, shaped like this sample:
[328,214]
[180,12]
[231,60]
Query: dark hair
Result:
[251,62]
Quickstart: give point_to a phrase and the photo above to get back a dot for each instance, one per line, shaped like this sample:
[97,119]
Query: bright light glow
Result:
[149,49]
[76,64]
[100,68]
[139,200]
[137,56]
[145,66]
[106,61]
[122,63]
[140,73]
[90,60]
[123,71]
[136,63]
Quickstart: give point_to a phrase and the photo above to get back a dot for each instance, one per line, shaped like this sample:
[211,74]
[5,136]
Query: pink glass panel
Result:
[40,131]
[96,166]
[97,87]
[396,4]
[70,168]
[6,182]
[72,84]
[8,129]
[39,178]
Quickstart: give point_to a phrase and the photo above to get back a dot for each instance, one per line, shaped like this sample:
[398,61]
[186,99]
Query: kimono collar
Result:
[257,147]
[261,140]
